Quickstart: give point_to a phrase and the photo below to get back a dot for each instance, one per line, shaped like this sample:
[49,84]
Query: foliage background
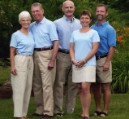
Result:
[118,17]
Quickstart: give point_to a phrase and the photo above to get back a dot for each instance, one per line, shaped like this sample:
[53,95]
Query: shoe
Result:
[26,118]
[47,117]
[37,115]
[85,117]
[20,118]
[103,114]
[59,114]
[97,113]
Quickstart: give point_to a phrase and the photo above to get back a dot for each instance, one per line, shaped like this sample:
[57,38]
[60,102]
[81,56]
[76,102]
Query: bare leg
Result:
[106,96]
[85,98]
[97,95]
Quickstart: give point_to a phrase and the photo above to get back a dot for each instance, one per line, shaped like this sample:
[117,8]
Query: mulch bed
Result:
[6,90]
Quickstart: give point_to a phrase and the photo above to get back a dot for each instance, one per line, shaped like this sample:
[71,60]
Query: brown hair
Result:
[103,5]
[37,4]
[85,12]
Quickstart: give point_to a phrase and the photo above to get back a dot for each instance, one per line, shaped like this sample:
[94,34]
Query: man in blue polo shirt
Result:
[46,48]
[65,26]
[105,52]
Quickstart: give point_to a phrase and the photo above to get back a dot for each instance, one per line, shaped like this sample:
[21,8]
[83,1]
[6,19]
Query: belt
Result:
[64,51]
[42,49]
[102,56]
[24,54]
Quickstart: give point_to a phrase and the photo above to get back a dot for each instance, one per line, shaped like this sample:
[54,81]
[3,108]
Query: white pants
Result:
[22,84]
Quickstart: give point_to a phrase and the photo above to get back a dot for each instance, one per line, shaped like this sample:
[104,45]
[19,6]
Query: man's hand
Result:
[51,64]
[106,66]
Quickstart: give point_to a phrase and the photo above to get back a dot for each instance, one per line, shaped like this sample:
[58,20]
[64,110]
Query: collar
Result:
[103,24]
[64,17]
[41,22]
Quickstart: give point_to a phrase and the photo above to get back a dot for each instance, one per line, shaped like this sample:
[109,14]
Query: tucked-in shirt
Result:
[65,27]
[24,44]
[44,33]
[107,36]
[83,45]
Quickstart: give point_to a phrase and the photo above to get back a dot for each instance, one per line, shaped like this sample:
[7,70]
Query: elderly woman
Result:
[21,51]
[83,46]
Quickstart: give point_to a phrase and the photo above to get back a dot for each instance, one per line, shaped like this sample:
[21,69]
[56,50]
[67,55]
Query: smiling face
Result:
[85,20]
[25,22]
[37,13]
[68,9]
[101,13]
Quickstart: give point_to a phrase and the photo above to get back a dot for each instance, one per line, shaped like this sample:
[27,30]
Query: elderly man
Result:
[65,26]
[46,48]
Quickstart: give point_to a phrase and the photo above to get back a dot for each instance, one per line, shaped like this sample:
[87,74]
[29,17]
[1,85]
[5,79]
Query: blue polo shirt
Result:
[107,36]
[24,44]
[65,28]
[44,33]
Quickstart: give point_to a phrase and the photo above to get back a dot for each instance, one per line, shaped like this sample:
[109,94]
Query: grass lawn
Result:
[119,109]
[4,74]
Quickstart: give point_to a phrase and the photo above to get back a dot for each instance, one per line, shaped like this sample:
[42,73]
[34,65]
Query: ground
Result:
[6,90]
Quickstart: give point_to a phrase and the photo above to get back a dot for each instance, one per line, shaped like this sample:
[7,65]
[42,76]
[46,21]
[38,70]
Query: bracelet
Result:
[84,61]
[72,59]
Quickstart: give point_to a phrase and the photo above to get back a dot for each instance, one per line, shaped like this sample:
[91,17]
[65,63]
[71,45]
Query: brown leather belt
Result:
[102,56]
[64,51]
[42,49]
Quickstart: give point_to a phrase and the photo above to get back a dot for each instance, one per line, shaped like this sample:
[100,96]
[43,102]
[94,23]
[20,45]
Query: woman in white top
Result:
[83,46]
[21,51]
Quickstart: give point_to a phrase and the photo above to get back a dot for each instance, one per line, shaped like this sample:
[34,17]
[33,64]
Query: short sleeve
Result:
[96,37]
[53,32]
[111,37]
[72,38]
[13,42]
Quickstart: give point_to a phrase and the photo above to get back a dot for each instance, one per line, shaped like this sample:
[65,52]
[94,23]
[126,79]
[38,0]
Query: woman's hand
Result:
[74,62]
[13,70]
[80,63]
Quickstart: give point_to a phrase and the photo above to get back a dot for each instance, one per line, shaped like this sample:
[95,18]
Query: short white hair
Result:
[24,14]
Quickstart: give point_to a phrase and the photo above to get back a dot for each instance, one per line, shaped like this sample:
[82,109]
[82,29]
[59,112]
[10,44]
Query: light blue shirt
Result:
[65,27]
[83,45]
[107,36]
[24,44]
[44,33]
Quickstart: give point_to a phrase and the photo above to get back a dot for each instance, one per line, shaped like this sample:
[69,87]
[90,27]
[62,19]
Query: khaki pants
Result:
[64,75]
[22,84]
[43,82]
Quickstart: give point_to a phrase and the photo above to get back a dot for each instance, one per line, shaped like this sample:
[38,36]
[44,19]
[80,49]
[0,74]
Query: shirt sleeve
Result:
[111,37]
[96,37]
[53,32]
[13,42]
[72,38]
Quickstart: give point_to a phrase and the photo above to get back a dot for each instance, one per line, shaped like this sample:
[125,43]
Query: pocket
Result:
[101,62]
[21,63]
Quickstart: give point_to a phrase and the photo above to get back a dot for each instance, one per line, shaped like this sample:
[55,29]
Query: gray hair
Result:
[37,4]
[24,14]
[68,1]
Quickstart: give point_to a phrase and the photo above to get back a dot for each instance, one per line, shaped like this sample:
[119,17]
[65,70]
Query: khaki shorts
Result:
[103,76]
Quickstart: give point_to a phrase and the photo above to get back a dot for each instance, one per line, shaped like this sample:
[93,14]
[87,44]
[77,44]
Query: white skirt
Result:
[83,74]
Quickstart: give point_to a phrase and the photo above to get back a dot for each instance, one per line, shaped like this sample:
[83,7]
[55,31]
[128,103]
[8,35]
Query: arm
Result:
[90,55]
[54,54]
[12,55]
[72,53]
[109,57]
